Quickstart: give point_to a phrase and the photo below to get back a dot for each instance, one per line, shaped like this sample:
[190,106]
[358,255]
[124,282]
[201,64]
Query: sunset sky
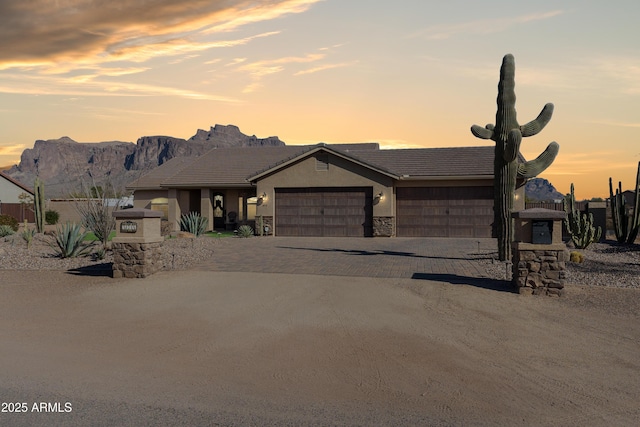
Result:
[407,73]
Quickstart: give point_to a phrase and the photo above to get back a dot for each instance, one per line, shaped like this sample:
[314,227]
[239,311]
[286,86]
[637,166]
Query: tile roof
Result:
[152,179]
[433,162]
[233,166]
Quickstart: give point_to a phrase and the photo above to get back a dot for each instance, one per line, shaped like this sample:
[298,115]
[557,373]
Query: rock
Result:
[185,235]
[539,189]
[64,164]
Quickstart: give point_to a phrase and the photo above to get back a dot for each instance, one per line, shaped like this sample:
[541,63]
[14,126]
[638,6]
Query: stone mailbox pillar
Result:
[539,254]
[137,246]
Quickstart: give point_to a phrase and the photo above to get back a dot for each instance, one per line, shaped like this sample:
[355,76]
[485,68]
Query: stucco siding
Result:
[339,173]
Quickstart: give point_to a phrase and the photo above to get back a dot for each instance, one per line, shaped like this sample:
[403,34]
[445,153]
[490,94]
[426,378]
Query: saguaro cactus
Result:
[625,225]
[508,134]
[580,226]
[39,204]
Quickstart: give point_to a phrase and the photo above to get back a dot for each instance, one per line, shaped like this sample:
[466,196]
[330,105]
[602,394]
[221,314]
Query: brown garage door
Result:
[444,211]
[331,212]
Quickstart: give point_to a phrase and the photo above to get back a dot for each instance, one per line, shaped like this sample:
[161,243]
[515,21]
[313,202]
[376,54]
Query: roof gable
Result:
[16,183]
[311,150]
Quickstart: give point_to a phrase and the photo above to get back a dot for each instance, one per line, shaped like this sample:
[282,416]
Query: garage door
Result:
[444,211]
[330,212]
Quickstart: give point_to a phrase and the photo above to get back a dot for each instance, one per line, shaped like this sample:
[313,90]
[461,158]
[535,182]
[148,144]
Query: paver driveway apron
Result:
[364,257]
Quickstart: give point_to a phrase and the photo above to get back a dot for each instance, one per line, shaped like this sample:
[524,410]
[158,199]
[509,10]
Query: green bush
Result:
[245,231]
[6,230]
[194,223]
[51,217]
[69,241]
[10,221]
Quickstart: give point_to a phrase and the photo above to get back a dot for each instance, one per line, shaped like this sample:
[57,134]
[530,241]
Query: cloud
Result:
[12,150]
[324,67]
[486,26]
[616,124]
[42,32]
[236,17]
[569,163]
[87,86]
[257,70]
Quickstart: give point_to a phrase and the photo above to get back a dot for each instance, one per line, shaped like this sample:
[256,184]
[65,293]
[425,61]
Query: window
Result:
[252,202]
[161,204]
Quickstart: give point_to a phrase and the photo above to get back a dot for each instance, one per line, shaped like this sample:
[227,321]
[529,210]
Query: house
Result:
[10,202]
[346,190]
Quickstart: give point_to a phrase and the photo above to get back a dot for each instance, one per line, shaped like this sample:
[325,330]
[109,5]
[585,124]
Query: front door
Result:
[219,212]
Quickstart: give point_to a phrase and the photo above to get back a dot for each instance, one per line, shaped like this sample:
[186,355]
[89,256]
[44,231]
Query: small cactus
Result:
[576,257]
[580,226]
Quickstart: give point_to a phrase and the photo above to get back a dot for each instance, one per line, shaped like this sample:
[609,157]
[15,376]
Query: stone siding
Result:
[383,226]
[539,271]
[136,260]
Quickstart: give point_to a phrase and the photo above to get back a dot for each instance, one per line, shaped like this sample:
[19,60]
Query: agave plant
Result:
[194,223]
[69,241]
[6,230]
[245,231]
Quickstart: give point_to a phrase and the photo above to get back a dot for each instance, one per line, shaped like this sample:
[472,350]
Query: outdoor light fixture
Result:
[380,196]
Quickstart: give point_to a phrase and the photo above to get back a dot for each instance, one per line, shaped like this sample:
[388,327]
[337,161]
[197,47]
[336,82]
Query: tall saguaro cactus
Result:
[39,204]
[508,134]
[625,224]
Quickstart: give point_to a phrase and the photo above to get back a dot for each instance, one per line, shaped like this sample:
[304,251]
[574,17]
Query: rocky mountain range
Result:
[541,190]
[64,164]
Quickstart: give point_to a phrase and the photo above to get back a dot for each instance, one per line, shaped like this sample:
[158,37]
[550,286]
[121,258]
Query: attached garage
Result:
[327,212]
[444,211]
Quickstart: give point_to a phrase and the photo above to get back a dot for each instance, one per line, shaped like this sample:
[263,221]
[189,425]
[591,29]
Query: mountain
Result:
[541,190]
[64,164]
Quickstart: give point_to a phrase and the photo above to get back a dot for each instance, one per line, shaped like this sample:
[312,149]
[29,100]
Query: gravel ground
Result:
[607,264]
[180,254]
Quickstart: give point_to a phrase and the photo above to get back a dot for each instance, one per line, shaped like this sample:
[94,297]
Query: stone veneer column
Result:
[137,247]
[539,268]
[383,226]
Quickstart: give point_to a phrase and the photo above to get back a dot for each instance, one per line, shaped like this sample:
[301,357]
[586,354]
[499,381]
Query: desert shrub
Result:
[6,230]
[576,257]
[69,241]
[27,234]
[194,223]
[10,221]
[100,253]
[245,231]
[51,217]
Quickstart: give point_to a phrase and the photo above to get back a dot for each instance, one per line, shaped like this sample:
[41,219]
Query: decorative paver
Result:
[364,257]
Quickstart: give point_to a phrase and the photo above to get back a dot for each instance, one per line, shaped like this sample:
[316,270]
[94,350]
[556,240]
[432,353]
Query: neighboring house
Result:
[331,190]
[10,203]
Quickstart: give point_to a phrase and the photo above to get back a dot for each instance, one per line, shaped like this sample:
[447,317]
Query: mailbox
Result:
[541,232]
[538,226]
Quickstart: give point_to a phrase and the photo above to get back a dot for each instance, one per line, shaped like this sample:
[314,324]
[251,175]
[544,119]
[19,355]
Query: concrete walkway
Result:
[420,258]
